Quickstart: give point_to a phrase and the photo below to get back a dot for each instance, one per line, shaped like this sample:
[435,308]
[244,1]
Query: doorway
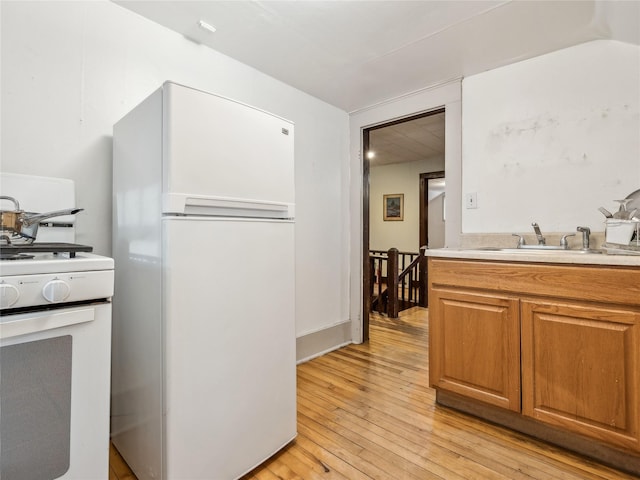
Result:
[416,141]
[432,208]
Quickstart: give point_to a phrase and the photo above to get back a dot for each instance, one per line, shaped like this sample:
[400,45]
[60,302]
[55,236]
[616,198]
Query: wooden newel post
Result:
[423,299]
[392,283]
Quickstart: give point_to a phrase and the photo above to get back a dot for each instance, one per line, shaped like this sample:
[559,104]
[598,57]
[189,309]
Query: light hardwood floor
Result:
[366,412]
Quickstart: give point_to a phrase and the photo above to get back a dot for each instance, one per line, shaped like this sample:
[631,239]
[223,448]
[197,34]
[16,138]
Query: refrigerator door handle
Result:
[183,204]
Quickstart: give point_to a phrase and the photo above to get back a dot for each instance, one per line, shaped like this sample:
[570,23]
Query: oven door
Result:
[54,393]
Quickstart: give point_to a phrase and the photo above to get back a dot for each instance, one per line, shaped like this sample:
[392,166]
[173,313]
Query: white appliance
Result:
[203,382]
[55,345]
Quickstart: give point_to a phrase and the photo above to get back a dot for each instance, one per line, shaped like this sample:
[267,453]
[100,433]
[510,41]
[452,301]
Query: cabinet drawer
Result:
[593,283]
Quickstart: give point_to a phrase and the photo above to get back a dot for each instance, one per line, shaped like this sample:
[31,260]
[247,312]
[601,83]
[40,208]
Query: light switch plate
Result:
[471,200]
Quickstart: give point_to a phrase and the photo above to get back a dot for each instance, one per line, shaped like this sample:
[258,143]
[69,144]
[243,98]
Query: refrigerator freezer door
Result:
[229,344]
[214,146]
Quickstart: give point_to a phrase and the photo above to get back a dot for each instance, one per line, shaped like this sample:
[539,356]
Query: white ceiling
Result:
[354,54]
[411,141]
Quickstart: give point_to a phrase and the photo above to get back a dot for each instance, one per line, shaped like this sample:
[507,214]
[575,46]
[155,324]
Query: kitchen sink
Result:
[530,250]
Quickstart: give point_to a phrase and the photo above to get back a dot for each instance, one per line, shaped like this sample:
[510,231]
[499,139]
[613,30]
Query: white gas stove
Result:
[55,346]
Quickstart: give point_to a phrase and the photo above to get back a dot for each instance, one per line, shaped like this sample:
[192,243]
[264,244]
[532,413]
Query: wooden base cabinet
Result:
[550,349]
[478,338]
[580,368]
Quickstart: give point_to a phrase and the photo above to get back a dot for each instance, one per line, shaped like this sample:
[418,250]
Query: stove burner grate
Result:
[12,252]
[15,256]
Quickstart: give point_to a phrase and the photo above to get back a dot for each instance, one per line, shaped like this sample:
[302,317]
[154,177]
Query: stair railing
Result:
[406,280]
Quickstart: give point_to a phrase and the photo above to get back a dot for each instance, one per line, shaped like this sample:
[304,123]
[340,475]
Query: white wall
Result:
[552,138]
[391,179]
[72,69]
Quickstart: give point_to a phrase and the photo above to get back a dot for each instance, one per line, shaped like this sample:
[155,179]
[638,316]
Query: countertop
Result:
[537,256]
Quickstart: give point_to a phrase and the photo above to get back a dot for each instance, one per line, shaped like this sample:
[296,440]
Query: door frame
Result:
[366,265]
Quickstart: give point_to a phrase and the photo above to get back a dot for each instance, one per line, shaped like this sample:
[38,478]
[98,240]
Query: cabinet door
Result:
[475,346]
[580,367]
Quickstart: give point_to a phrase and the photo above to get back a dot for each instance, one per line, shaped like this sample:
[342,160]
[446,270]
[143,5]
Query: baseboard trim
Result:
[323,341]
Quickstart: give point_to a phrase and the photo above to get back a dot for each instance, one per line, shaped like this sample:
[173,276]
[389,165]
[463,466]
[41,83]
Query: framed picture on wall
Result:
[393,207]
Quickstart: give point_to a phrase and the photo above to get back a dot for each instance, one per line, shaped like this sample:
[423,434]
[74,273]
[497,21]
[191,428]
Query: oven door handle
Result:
[25,323]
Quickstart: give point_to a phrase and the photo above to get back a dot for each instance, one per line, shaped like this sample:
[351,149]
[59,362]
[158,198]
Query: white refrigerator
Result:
[203,359]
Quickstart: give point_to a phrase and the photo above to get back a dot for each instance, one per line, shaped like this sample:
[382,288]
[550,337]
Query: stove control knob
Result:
[8,295]
[56,291]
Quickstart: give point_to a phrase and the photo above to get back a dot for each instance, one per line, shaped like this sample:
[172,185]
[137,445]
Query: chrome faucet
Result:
[521,241]
[536,228]
[564,243]
[586,231]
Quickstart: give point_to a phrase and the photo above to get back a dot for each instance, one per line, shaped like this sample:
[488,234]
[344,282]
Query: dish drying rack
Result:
[619,249]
